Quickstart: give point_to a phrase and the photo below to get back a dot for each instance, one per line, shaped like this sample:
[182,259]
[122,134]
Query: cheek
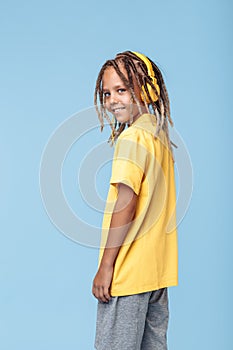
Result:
[106,103]
[127,99]
[137,92]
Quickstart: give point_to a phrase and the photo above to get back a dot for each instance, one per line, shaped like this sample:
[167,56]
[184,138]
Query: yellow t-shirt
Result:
[148,259]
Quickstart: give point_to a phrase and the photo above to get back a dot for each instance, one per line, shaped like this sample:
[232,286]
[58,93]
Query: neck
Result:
[138,115]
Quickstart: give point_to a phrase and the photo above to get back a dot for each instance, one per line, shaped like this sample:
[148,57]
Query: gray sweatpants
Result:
[134,322]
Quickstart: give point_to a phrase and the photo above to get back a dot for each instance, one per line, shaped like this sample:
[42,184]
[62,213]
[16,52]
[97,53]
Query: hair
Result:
[135,67]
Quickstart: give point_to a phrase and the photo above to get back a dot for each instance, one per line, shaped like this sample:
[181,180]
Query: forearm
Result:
[120,223]
[121,220]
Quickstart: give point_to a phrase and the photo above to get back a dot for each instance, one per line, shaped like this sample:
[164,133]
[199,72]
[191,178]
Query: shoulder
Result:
[132,133]
[132,144]
[128,140]
[138,136]
[129,132]
[141,140]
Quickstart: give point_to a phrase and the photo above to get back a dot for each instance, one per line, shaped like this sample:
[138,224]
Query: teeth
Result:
[118,109]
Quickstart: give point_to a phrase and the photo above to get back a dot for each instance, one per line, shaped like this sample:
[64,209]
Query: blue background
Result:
[51,52]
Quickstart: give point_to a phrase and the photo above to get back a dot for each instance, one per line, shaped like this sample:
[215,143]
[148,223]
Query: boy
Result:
[138,256]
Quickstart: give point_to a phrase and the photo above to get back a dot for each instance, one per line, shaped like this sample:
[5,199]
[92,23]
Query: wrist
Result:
[106,264]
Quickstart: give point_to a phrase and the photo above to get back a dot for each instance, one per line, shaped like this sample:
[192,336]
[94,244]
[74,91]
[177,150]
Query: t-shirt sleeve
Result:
[129,162]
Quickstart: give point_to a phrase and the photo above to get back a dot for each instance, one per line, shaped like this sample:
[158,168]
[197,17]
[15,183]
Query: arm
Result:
[122,216]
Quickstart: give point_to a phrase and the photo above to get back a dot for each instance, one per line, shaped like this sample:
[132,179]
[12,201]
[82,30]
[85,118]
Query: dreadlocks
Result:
[136,67]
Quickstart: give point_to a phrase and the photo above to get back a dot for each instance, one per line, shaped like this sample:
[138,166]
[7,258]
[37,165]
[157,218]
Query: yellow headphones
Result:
[150,72]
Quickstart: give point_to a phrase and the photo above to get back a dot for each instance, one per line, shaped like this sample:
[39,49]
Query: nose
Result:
[113,99]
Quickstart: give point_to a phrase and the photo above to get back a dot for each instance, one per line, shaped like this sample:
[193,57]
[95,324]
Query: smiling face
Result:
[117,97]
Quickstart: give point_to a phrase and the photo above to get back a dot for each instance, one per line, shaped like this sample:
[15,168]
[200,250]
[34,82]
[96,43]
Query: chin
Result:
[122,119]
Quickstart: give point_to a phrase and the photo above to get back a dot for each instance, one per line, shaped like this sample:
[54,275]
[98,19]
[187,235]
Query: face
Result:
[117,97]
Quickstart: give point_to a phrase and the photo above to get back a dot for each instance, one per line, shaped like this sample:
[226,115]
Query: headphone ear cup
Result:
[144,95]
[152,94]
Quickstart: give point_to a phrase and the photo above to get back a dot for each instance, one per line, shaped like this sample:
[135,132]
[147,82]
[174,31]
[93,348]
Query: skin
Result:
[116,95]
[122,216]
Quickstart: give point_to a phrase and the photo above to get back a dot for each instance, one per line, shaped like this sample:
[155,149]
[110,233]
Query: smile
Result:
[118,109]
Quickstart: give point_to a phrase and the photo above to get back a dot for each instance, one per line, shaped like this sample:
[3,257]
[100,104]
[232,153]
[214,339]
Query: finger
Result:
[102,296]
[107,294]
[95,292]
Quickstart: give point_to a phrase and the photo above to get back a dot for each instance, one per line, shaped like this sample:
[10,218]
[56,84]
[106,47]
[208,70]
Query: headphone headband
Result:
[150,72]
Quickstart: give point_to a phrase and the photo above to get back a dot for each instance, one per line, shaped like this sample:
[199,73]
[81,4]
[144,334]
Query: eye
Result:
[121,91]
[106,94]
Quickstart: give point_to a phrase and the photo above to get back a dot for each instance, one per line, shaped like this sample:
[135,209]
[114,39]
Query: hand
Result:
[102,282]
